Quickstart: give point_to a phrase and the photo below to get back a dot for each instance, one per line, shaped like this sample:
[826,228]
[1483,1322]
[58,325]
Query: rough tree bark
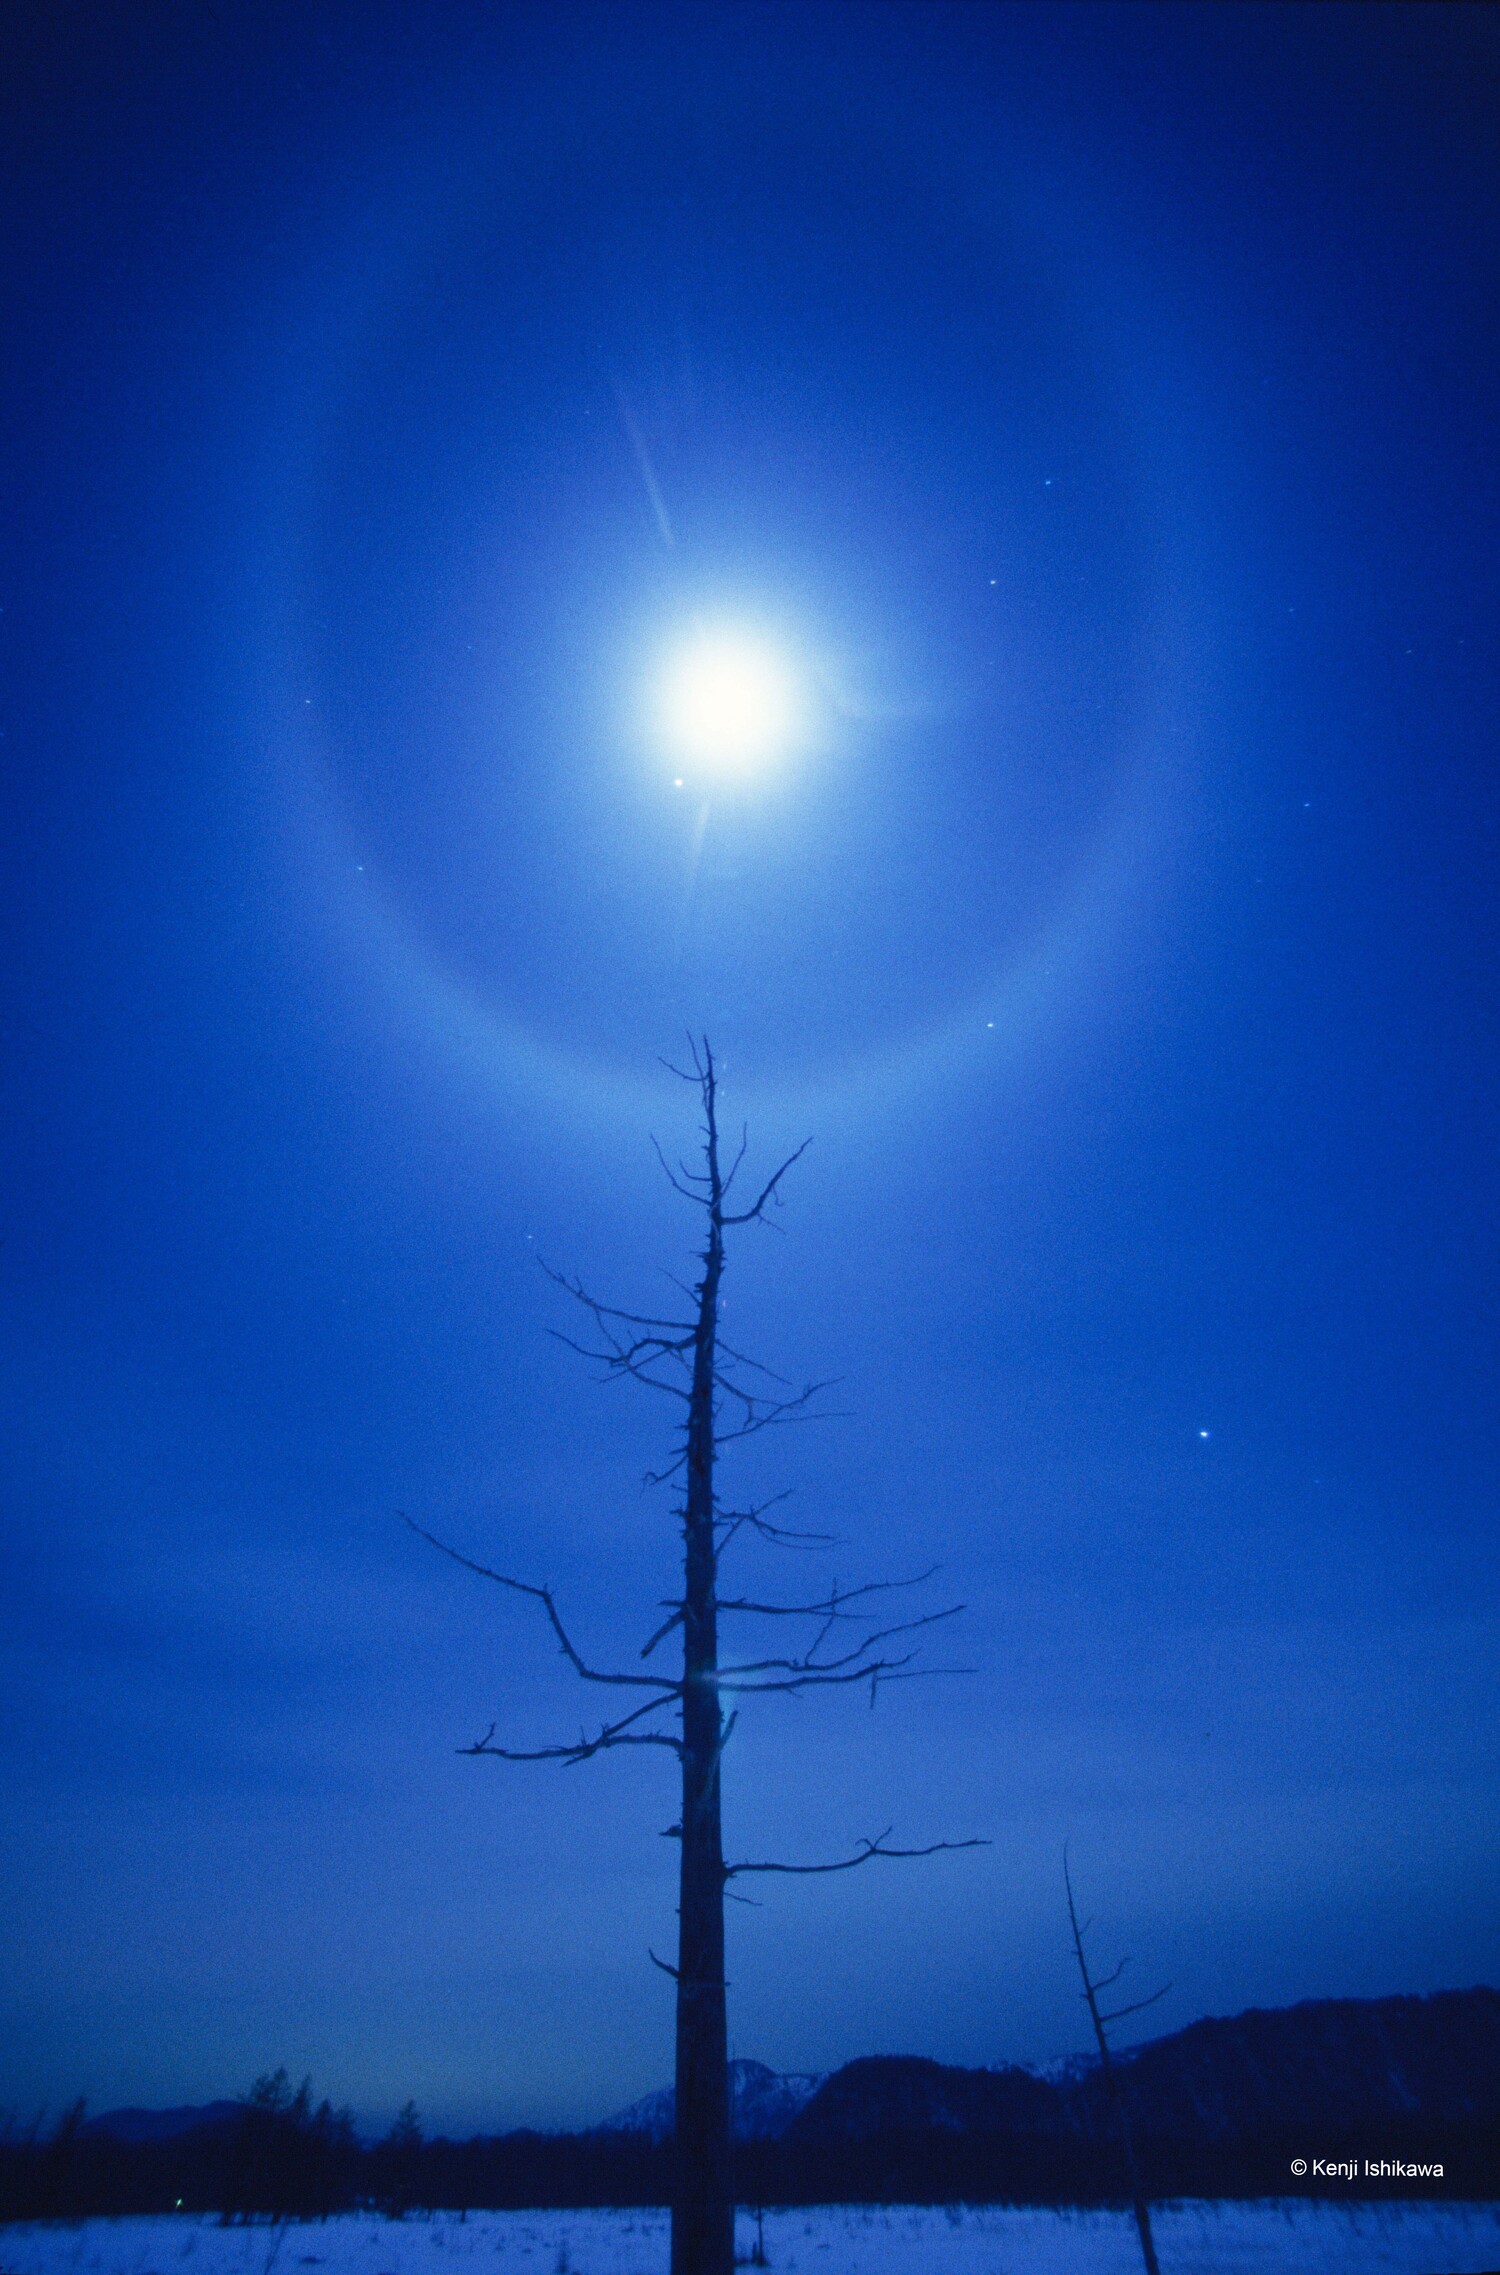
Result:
[727,1397]
[1101,2021]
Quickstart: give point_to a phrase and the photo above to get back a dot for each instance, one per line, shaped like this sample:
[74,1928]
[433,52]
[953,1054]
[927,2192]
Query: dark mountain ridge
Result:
[762,2105]
[1329,2064]
[1225,2107]
[135,2125]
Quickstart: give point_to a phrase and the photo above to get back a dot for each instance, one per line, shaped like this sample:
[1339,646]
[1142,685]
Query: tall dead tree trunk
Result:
[703,2210]
[1111,2075]
[727,1397]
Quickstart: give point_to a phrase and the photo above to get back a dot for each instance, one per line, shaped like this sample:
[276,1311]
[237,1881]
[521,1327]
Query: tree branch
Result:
[883,1671]
[770,1413]
[779,1536]
[831,1606]
[810,1664]
[743,1359]
[768,1190]
[1120,2012]
[1094,1984]
[675,1177]
[580,1294]
[663,1632]
[636,1362]
[544,1597]
[698,1983]
[866,1852]
[660,1340]
[613,1734]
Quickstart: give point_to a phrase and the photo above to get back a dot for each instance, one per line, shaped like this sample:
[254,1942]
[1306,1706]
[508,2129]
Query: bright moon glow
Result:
[729,701]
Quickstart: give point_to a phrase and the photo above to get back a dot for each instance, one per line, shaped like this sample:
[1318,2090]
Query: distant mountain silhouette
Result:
[139,2125]
[1218,2108]
[762,2106]
[1327,2065]
[907,2093]
[1221,2108]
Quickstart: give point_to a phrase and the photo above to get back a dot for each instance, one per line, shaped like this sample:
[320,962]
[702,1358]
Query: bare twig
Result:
[810,1664]
[779,1536]
[831,1606]
[769,1191]
[866,1852]
[883,1671]
[1138,2007]
[618,1733]
[662,1632]
[543,1596]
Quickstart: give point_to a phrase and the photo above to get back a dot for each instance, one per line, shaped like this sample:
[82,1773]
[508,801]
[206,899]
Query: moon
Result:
[729,703]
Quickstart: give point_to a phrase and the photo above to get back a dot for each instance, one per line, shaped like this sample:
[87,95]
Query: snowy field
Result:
[1294,2238]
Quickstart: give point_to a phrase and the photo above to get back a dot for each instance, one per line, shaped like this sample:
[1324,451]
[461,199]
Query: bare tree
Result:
[1092,1986]
[724,1397]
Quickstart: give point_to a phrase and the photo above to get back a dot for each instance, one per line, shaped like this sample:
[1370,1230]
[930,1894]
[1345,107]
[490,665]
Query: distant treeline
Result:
[279,2156]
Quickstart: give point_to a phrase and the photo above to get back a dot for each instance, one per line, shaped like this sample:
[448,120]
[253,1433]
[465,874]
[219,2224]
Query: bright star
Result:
[729,701]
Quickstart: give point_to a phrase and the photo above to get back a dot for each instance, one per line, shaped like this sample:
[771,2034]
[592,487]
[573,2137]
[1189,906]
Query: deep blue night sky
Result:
[1098,405]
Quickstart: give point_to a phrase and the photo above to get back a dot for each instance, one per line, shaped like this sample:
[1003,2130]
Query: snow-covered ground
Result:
[1192,2239]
